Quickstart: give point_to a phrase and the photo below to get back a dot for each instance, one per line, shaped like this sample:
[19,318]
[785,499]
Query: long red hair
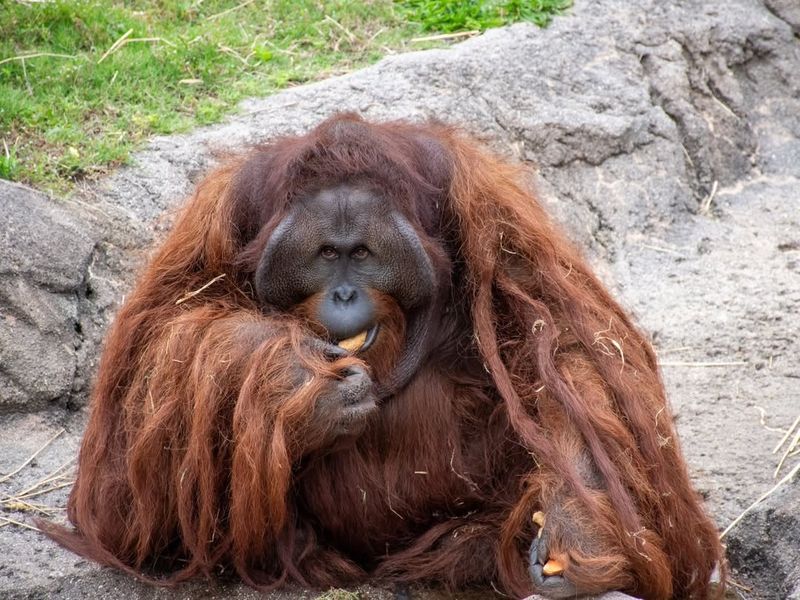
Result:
[190,457]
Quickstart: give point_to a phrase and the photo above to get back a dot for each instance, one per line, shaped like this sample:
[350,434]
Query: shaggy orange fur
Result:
[198,455]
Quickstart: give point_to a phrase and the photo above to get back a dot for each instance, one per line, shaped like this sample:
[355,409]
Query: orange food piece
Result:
[552,567]
[354,343]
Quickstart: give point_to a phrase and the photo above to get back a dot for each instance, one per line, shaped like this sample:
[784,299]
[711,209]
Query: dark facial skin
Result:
[342,242]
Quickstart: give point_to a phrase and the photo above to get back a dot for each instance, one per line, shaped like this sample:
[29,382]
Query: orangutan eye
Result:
[359,253]
[328,253]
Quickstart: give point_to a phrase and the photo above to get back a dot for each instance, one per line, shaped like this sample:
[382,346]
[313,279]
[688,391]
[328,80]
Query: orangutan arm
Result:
[585,545]
[306,387]
[212,405]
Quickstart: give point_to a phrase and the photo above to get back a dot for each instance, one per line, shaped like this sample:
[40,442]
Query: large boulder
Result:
[45,252]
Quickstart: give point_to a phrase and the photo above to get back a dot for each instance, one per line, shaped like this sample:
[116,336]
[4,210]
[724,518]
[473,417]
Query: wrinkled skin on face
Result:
[340,247]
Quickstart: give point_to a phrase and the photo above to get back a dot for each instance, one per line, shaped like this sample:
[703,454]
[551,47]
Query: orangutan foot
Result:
[547,571]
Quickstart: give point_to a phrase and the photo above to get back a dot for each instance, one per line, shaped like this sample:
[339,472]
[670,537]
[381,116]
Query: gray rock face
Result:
[665,137]
[44,255]
[764,547]
[788,10]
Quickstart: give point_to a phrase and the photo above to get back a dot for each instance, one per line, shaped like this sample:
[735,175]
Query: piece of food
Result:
[354,343]
[552,567]
[538,519]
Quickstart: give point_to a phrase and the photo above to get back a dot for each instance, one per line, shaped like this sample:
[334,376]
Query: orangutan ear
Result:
[260,188]
[436,160]
[436,167]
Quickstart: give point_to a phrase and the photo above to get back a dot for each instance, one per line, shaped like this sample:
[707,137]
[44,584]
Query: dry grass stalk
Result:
[24,57]
[9,521]
[54,480]
[791,447]
[350,35]
[786,436]
[45,490]
[760,499]
[444,36]
[30,458]
[116,45]
[663,250]
[705,207]
[191,295]
[52,476]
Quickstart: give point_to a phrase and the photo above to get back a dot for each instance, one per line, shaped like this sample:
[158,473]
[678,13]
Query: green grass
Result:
[88,99]
[468,15]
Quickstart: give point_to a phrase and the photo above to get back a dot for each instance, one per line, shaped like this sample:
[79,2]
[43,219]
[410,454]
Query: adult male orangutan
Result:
[366,353]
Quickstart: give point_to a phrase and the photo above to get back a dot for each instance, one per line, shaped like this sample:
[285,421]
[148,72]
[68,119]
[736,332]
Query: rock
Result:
[44,256]
[666,139]
[788,10]
[763,547]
